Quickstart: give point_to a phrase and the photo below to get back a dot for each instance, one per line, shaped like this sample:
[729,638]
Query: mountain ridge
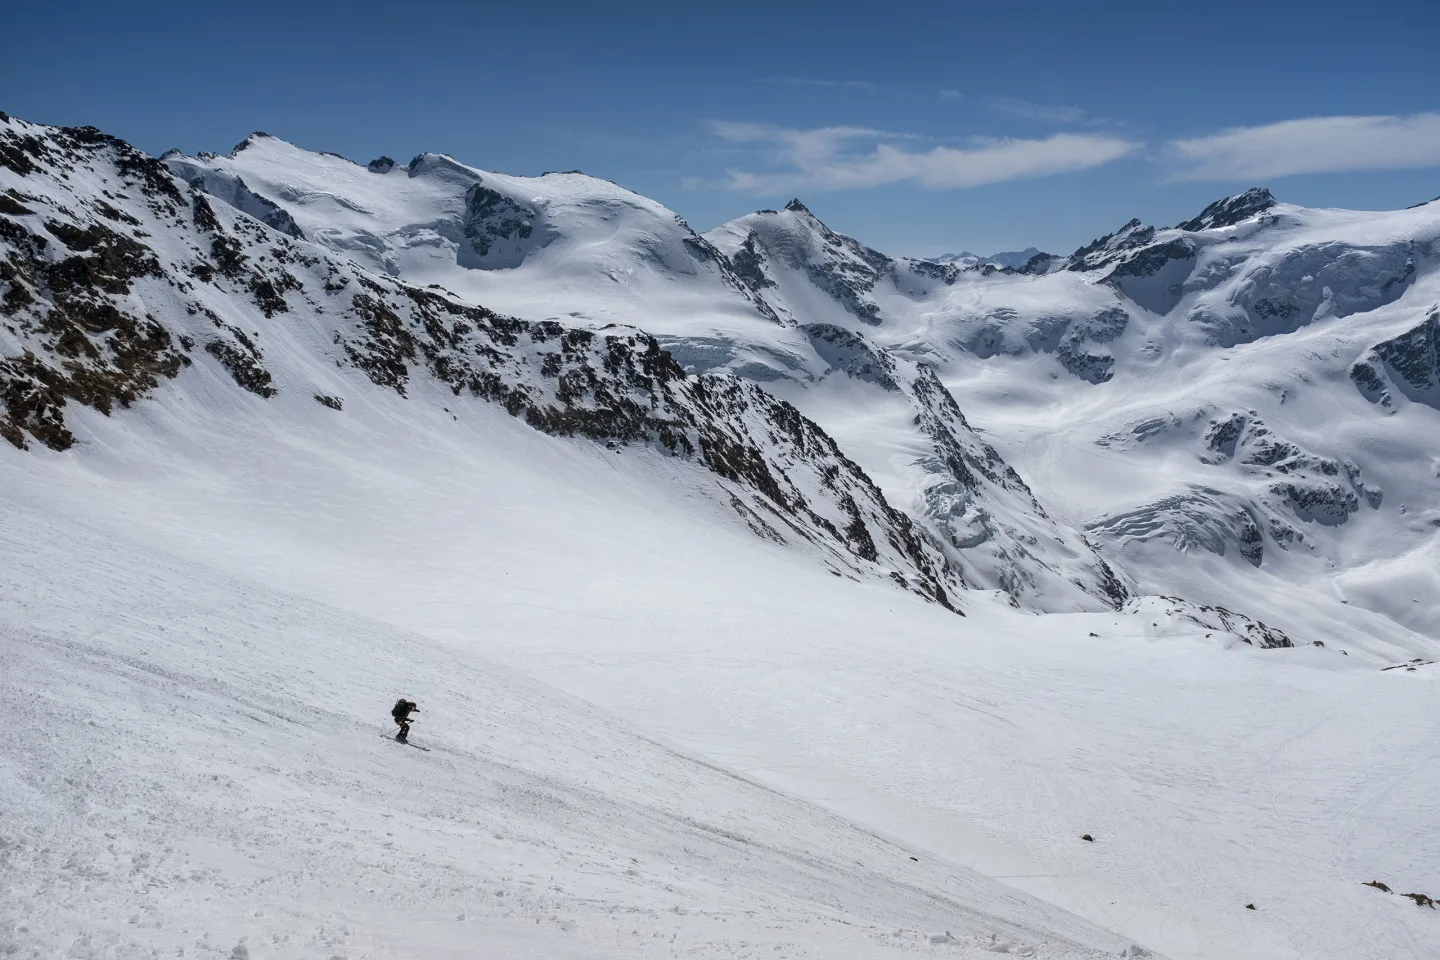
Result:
[872,349]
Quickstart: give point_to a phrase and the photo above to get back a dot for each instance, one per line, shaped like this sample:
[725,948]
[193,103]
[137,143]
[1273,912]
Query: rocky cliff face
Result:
[1408,364]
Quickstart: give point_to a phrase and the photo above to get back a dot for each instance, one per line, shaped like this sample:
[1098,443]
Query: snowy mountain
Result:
[101,317]
[1014,259]
[941,424]
[668,532]
[1174,393]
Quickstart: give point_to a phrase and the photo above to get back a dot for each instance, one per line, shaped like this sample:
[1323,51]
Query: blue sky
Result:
[916,127]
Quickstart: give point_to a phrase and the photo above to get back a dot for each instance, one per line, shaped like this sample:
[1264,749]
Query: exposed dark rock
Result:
[852,354]
[491,218]
[85,348]
[1368,381]
[241,358]
[1223,434]
[622,388]
[9,205]
[1102,251]
[19,152]
[1231,210]
[1155,276]
[749,265]
[1217,618]
[1090,367]
[232,191]
[1038,264]
[1412,360]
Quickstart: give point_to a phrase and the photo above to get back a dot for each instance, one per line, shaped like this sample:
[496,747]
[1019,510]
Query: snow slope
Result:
[1212,775]
[346,487]
[200,772]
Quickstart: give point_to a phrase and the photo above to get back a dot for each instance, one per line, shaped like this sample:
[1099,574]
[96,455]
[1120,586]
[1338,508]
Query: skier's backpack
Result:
[401,708]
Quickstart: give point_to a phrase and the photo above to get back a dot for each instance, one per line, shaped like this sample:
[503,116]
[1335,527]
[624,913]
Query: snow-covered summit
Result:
[525,244]
[1014,259]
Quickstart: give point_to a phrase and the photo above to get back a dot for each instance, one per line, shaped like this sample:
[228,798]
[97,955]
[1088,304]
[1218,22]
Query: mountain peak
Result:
[256,135]
[1006,258]
[1231,210]
[795,206]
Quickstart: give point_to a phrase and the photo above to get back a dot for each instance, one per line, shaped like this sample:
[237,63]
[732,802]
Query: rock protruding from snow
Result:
[1210,617]
[1409,363]
[1231,210]
[231,189]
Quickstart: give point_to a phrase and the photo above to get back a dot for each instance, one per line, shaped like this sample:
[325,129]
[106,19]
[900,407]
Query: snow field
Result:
[195,767]
[1211,774]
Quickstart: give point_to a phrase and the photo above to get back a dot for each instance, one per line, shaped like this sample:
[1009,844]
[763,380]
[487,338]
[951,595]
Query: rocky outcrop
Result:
[496,229]
[1081,343]
[1231,210]
[232,190]
[1408,364]
[991,523]
[851,354]
[1281,487]
[621,387]
[1211,618]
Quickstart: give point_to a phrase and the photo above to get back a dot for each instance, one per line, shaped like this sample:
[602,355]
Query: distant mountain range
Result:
[1243,409]
[1009,258]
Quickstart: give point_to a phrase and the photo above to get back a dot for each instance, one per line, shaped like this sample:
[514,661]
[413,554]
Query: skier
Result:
[401,712]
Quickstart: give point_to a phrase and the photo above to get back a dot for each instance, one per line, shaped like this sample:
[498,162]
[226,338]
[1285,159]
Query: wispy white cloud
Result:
[839,158]
[1024,109]
[858,85]
[1039,112]
[1312,145]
